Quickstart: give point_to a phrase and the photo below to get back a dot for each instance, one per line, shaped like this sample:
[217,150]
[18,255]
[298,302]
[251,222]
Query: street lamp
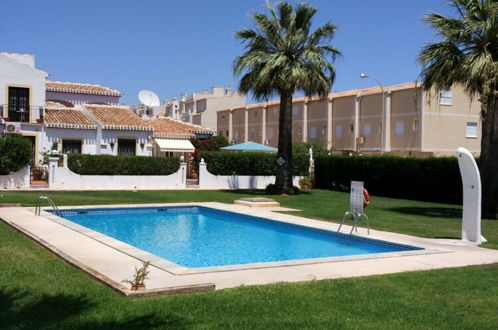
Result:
[382,147]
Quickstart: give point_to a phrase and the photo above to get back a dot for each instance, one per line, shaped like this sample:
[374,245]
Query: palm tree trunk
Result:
[284,171]
[489,157]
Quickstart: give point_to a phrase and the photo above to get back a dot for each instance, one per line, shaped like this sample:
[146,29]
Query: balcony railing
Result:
[21,114]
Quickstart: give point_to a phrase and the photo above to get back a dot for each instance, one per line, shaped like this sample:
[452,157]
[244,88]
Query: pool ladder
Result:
[356,219]
[50,201]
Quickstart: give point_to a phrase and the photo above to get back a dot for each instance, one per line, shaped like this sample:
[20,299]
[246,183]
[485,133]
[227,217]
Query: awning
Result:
[175,145]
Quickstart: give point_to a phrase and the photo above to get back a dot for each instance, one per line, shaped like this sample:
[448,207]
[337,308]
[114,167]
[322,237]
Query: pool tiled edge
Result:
[110,261]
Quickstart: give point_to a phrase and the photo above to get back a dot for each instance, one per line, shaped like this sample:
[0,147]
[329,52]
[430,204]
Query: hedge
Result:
[425,179]
[122,165]
[15,153]
[249,163]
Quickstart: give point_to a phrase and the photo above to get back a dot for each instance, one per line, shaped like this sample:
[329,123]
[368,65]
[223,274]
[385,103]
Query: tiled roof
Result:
[117,117]
[67,118]
[79,88]
[170,128]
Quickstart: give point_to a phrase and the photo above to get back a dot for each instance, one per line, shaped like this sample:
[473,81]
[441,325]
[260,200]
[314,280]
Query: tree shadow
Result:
[19,310]
[433,212]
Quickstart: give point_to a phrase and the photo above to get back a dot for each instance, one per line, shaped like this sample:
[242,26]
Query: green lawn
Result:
[39,291]
[402,216]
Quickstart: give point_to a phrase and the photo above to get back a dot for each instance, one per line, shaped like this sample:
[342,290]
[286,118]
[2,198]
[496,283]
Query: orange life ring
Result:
[366,198]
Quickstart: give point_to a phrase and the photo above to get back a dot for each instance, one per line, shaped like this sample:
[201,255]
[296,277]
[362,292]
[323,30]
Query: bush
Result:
[122,165]
[425,179]
[15,153]
[249,163]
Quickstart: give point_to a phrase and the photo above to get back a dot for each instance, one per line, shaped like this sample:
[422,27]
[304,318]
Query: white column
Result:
[305,121]
[357,122]
[263,125]
[329,124]
[387,123]
[246,125]
[230,126]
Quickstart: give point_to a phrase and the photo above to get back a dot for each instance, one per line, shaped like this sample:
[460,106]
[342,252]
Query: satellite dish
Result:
[149,98]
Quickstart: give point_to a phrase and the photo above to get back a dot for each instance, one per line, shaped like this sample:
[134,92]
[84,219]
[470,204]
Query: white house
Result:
[22,98]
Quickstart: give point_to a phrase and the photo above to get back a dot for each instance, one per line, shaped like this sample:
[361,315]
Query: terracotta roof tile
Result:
[79,88]
[117,117]
[168,127]
[67,118]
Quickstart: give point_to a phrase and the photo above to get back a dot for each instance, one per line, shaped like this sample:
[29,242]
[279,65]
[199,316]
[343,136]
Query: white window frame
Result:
[471,130]
[445,97]
[367,129]
[399,128]
[313,132]
[338,131]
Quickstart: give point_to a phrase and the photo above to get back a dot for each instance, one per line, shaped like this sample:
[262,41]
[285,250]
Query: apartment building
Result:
[403,120]
[201,108]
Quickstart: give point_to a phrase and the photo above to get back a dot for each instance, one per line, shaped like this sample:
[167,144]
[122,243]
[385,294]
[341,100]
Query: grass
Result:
[396,215]
[39,291]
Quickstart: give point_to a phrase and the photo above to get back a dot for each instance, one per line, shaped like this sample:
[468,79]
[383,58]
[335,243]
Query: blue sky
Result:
[172,47]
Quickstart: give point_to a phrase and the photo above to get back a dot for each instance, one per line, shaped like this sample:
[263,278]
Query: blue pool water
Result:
[201,237]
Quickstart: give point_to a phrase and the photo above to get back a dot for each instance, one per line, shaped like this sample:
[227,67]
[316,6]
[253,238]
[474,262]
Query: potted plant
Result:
[37,173]
[305,183]
[137,283]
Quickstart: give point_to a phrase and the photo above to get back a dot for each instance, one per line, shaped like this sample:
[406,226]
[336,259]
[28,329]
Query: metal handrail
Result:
[356,219]
[50,201]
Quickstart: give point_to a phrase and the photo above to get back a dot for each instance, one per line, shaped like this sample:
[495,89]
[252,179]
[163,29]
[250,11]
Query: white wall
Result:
[20,179]
[79,99]
[210,181]
[16,70]
[64,178]
[109,136]
[87,136]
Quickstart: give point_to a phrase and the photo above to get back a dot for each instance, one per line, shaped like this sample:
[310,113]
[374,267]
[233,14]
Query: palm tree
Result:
[282,56]
[468,55]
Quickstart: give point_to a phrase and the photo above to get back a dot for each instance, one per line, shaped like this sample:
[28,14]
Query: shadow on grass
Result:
[261,193]
[20,310]
[433,212]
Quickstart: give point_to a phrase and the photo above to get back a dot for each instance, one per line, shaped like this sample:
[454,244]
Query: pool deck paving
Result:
[111,261]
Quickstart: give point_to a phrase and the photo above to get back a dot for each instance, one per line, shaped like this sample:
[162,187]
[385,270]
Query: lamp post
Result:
[382,146]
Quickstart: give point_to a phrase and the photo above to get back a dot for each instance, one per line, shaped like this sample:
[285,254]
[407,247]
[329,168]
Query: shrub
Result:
[249,163]
[122,165]
[15,153]
[426,179]
[218,142]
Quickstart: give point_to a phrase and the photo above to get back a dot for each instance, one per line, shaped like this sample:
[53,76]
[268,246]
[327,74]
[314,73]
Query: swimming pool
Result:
[198,237]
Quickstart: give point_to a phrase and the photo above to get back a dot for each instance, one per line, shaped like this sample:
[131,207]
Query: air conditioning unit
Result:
[13,128]
[361,140]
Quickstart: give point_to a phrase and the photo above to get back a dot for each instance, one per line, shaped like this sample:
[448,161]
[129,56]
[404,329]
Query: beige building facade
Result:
[404,120]
[201,108]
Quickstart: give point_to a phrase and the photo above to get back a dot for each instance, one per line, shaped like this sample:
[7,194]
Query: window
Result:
[300,130]
[351,128]
[338,132]
[270,133]
[416,125]
[275,111]
[313,133]
[227,134]
[255,113]
[399,128]
[220,133]
[126,147]
[252,135]
[367,129]
[71,146]
[471,131]
[295,110]
[324,129]
[18,104]
[445,97]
